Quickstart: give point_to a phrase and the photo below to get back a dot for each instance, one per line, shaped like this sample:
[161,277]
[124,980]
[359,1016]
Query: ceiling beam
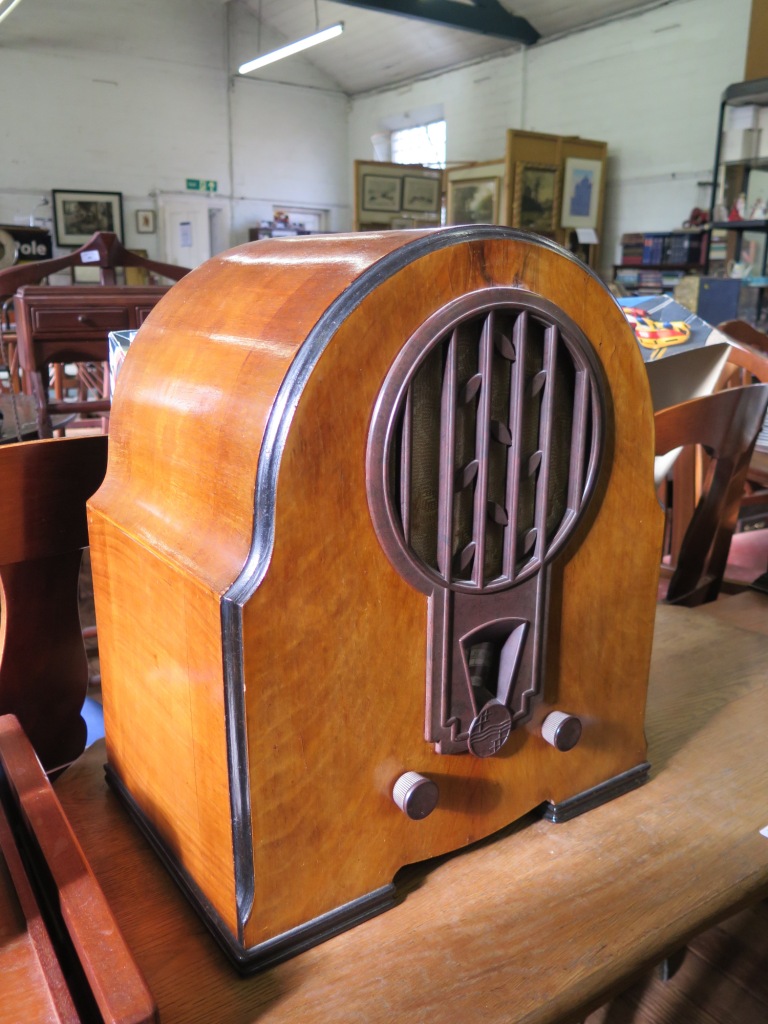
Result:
[487,17]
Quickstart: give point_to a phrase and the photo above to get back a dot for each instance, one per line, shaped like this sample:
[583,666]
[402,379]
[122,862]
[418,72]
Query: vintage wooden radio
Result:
[375,565]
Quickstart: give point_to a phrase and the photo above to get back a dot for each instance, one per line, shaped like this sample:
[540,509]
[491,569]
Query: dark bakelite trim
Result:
[249,959]
[600,794]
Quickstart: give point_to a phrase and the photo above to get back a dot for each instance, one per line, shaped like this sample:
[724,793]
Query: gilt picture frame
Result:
[536,197]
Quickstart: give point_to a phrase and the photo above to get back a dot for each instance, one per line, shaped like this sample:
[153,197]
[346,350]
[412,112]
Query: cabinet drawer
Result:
[100,319]
[142,312]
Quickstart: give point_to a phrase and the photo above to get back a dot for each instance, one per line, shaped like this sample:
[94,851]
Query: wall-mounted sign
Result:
[202,185]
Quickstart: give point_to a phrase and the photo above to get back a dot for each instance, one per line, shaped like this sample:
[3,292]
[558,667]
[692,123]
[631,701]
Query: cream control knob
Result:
[561,730]
[415,795]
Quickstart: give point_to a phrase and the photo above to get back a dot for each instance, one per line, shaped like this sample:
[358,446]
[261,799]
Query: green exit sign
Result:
[202,185]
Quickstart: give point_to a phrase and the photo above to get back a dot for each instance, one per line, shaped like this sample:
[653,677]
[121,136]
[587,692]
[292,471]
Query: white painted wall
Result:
[650,86]
[134,96]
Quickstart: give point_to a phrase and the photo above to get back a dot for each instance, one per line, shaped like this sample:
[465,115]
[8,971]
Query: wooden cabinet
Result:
[71,324]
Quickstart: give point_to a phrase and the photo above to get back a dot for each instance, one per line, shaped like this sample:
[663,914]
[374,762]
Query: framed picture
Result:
[386,193]
[421,194]
[86,274]
[381,193]
[473,201]
[535,204]
[138,276]
[146,222]
[581,193]
[77,215]
[484,198]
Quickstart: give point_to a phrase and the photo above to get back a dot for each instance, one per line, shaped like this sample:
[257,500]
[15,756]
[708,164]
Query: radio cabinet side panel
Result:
[164,716]
[335,640]
[172,524]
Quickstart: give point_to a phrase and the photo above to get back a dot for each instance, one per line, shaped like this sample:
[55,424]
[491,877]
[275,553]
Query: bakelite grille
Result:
[493,447]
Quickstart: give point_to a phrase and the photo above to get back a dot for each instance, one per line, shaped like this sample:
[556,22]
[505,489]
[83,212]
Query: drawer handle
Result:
[83,318]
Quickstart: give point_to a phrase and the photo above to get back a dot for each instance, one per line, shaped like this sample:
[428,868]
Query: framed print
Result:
[86,274]
[387,194]
[146,222]
[484,196]
[473,201]
[381,193]
[581,193]
[78,215]
[421,194]
[535,204]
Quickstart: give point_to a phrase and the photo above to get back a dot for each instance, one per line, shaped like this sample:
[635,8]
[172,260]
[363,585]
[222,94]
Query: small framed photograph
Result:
[79,215]
[421,195]
[381,193]
[581,193]
[473,201]
[535,206]
[146,222]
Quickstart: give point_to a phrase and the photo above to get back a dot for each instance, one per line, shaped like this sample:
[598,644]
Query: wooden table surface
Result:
[540,923]
[747,610]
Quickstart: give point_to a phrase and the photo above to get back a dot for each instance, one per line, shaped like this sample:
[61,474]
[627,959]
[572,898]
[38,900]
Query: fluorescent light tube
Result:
[291,48]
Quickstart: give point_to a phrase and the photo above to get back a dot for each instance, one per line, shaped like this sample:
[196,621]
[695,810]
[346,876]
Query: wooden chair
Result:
[748,362]
[65,958]
[745,334]
[104,250]
[43,666]
[726,425]
[34,340]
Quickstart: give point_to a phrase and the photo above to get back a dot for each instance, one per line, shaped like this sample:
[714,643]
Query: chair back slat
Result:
[726,424]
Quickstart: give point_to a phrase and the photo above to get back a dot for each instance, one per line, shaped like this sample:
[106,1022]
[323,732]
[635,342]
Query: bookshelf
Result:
[654,261]
[740,179]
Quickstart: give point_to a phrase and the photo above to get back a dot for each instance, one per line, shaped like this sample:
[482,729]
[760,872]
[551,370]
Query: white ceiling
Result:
[379,50]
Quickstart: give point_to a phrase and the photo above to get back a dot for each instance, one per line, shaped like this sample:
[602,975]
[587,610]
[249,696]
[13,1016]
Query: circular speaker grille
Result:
[485,442]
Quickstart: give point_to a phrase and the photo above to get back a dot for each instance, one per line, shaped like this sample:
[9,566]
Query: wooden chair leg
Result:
[41,640]
[40,394]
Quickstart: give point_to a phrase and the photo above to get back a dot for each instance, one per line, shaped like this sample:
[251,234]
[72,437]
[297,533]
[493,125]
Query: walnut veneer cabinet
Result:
[375,566]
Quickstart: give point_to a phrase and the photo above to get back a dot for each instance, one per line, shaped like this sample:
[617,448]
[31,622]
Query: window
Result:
[424,144]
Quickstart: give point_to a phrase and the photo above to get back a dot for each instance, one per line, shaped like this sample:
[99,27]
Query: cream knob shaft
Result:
[415,795]
[561,730]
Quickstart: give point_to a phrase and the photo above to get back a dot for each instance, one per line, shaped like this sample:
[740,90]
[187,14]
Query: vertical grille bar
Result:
[551,337]
[578,441]
[482,435]
[406,443]
[447,458]
[516,399]
[593,406]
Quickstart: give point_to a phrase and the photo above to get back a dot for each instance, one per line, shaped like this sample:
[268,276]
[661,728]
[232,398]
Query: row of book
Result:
[660,249]
[647,282]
